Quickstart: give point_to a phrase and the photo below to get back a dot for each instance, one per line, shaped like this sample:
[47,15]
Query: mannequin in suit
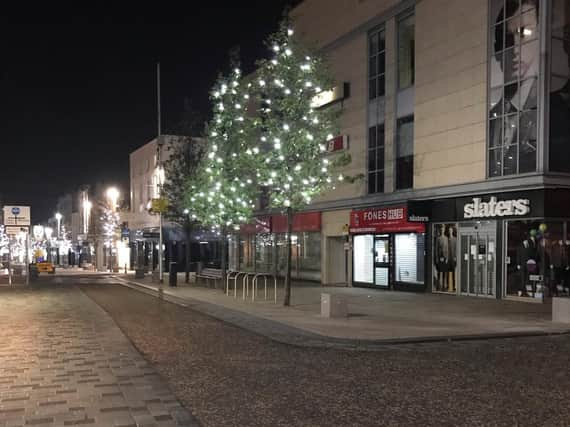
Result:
[527,262]
[556,254]
[442,257]
[452,263]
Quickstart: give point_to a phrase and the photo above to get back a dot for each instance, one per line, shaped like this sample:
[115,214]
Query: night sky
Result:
[78,88]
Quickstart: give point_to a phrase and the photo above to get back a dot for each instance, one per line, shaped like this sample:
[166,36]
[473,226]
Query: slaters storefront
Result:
[505,245]
[388,249]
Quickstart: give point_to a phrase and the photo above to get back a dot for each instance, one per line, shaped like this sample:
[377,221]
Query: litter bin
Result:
[34,272]
[173,274]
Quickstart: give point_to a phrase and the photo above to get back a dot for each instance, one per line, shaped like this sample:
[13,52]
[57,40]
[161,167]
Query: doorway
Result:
[478,258]
[337,273]
[382,260]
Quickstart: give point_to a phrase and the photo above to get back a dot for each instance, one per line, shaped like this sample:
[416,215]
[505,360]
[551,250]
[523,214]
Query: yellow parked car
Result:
[46,267]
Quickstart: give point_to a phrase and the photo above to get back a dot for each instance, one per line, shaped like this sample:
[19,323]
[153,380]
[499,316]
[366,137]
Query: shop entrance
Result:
[382,260]
[478,258]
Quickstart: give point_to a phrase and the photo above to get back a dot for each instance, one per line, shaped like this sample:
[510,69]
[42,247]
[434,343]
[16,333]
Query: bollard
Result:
[172,275]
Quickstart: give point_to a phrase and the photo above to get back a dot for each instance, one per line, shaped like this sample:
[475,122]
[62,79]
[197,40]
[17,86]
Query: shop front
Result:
[388,249]
[508,245]
[261,246]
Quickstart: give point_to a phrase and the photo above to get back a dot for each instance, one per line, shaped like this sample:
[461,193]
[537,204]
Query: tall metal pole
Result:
[159,166]
[28,257]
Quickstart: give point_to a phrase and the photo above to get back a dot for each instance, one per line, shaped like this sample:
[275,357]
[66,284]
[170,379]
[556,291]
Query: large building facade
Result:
[458,115]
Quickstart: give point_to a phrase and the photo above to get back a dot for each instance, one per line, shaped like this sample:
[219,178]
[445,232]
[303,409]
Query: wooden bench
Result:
[210,274]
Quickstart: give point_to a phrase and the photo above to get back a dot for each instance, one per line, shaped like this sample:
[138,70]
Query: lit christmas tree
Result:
[223,194]
[295,168]
[110,226]
[4,242]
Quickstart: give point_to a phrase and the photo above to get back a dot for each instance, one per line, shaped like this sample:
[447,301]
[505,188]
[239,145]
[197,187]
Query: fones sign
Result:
[383,220]
[496,208]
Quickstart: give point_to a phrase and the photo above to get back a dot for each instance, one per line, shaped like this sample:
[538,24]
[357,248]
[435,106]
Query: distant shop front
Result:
[261,246]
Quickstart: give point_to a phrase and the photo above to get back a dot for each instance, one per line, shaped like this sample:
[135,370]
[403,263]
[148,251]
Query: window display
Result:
[538,263]
[364,259]
[445,258]
[305,255]
[409,258]
[394,260]
[264,253]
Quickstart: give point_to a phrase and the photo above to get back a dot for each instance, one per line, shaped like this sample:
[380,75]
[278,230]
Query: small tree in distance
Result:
[184,156]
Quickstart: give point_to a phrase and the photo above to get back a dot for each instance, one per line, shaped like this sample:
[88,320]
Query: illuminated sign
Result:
[327,97]
[496,208]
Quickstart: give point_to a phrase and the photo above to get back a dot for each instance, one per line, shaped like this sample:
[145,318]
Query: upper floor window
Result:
[513,96]
[406,51]
[376,159]
[376,64]
[559,112]
[405,153]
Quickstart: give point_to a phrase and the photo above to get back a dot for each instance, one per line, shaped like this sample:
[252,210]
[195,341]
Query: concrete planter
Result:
[155,277]
[333,306]
[561,309]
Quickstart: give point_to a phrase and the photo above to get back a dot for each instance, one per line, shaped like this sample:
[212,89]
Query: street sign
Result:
[17,215]
[150,235]
[159,205]
[12,230]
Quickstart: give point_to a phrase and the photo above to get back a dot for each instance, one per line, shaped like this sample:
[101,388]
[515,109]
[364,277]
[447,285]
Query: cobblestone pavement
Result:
[64,362]
[233,377]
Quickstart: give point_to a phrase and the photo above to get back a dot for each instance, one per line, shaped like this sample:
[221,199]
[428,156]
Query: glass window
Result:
[537,258]
[444,258]
[559,144]
[405,153]
[305,255]
[363,259]
[376,159]
[515,62]
[264,253]
[377,90]
[309,255]
[376,64]
[409,258]
[406,52]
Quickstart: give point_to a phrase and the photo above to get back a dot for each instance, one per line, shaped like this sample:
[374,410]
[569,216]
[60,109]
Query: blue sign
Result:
[15,211]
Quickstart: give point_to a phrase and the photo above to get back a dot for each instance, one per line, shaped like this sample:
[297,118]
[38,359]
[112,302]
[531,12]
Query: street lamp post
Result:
[160,233]
[87,205]
[58,217]
[113,196]
[48,232]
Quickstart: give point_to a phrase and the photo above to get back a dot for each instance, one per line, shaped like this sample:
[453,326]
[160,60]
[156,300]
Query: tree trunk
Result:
[223,265]
[287,299]
[188,254]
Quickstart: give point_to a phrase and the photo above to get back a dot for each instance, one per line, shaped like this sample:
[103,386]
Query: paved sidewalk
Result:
[375,317]
[64,362]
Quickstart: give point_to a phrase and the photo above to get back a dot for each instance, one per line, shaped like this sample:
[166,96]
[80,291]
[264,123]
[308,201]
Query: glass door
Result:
[382,261]
[478,261]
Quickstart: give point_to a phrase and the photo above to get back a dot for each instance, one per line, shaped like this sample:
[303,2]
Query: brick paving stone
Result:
[64,362]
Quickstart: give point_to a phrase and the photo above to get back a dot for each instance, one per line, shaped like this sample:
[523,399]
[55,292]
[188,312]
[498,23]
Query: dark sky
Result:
[78,88]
